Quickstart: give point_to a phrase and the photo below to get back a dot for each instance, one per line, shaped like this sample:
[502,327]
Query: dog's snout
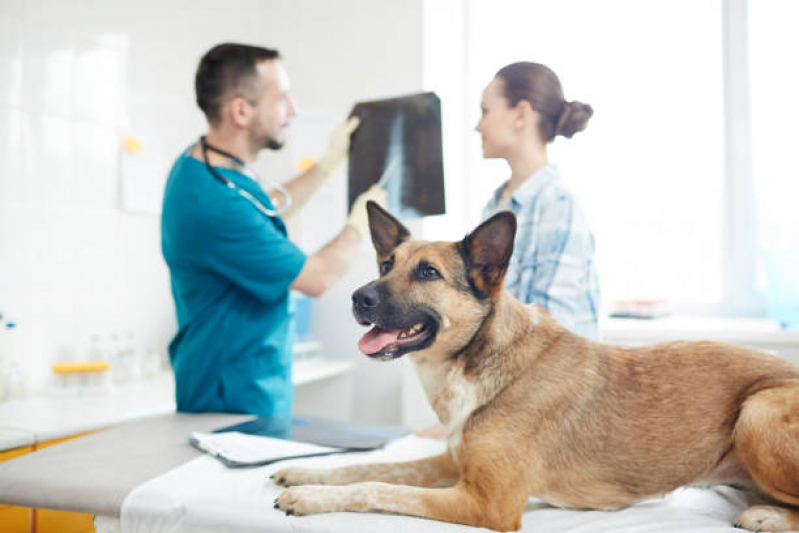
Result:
[365,298]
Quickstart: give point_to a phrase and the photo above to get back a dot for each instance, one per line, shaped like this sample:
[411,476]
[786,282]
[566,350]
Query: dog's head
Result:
[430,295]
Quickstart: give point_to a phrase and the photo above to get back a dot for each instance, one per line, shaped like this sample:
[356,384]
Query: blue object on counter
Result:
[302,316]
[782,295]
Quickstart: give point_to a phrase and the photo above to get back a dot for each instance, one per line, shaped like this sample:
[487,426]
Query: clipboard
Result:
[239,450]
[267,440]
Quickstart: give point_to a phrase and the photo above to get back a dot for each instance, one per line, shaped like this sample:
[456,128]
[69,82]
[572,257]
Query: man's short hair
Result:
[227,69]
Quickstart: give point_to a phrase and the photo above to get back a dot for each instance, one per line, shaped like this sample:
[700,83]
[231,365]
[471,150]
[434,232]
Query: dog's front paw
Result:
[290,477]
[764,518]
[307,500]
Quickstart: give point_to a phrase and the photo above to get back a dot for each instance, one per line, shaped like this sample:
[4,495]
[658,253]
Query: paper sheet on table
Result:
[204,495]
[239,449]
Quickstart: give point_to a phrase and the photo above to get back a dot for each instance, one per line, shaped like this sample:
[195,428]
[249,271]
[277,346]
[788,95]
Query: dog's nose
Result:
[365,297]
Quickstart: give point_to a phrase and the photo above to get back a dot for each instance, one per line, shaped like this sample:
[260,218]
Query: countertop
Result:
[50,415]
[95,473]
[14,438]
[742,330]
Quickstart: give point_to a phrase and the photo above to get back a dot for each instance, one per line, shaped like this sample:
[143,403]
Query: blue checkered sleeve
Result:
[552,263]
[556,266]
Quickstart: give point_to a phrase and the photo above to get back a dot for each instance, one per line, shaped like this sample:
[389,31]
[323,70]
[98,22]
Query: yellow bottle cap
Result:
[87,366]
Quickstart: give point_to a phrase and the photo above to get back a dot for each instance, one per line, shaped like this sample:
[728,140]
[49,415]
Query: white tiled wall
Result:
[77,75]
[71,263]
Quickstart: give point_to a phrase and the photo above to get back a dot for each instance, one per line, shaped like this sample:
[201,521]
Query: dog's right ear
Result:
[487,251]
[387,231]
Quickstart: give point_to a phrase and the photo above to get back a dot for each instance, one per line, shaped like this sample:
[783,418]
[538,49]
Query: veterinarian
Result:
[523,110]
[224,240]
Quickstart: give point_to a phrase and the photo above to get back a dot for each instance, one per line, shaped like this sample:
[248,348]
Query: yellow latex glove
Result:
[358,217]
[339,146]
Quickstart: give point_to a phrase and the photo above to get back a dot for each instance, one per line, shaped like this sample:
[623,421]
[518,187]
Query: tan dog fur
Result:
[532,410]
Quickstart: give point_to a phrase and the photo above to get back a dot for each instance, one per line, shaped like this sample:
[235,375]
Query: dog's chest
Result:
[452,396]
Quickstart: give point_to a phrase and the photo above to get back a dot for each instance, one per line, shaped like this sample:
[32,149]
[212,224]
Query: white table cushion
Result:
[204,495]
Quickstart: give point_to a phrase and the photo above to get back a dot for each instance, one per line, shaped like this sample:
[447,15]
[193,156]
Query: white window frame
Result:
[740,297]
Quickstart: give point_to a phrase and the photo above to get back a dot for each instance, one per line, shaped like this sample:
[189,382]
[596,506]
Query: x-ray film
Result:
[398,144]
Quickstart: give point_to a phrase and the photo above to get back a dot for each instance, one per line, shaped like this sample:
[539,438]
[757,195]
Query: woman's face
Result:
[498,124]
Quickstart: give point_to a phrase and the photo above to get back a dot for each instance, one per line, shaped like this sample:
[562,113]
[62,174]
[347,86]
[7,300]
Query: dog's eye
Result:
[385,266]
[427,273]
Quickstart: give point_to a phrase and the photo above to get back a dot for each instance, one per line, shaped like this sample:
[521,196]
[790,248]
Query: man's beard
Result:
[264,141]
[272,144]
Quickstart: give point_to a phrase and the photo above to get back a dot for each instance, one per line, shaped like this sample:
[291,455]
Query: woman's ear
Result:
[525,115]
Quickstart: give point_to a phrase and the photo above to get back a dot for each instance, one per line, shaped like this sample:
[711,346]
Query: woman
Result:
[523,110]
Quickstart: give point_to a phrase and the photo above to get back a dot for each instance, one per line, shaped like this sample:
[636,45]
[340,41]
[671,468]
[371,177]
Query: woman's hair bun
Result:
[573,118]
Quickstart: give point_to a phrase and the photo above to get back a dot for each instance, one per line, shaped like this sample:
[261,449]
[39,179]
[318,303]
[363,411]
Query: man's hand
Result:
[358,217]
[326,266]
[339,146]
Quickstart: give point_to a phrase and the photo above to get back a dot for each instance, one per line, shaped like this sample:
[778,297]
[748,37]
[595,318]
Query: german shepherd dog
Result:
[531,409]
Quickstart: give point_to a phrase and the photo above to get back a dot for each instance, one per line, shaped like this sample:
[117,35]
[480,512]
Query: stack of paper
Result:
[238,449]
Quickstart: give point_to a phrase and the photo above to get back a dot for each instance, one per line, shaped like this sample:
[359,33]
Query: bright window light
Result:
[648,170]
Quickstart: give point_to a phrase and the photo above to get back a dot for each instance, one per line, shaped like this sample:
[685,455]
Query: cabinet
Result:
[51,521]
[27,520]
[16,519]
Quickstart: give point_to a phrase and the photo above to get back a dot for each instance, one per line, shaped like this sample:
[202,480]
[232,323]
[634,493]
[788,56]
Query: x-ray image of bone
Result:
[392,178]
[398,145]
[391,181]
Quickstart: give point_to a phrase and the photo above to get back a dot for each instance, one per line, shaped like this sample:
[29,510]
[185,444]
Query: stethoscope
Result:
[249,171]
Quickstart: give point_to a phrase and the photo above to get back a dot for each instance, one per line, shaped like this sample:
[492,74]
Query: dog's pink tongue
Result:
[377,339]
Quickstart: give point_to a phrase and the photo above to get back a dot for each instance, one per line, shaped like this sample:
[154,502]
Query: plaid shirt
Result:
[552,263]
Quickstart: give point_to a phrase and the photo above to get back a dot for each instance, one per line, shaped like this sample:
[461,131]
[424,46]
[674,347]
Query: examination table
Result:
[145,477]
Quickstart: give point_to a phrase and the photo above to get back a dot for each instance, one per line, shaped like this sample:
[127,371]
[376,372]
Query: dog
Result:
[532,410]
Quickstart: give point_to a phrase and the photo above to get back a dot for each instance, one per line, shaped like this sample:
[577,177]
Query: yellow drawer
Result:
[49,521]
[16,519]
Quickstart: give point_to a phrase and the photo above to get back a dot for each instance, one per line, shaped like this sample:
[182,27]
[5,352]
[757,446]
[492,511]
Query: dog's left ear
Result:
[387,231]
[487,251]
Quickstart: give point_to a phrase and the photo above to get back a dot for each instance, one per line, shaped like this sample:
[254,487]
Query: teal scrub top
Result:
[230,267]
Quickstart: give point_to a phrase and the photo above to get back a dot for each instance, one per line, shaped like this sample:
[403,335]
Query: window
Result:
[658,169]
[648,168]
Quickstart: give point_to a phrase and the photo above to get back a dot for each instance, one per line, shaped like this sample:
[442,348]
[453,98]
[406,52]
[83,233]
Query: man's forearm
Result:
[329,264]
[339,254]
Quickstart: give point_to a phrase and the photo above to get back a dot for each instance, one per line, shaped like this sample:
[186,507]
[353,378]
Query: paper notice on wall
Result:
[143,173]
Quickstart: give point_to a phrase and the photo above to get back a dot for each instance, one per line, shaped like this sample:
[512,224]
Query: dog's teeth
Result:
[404,334]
